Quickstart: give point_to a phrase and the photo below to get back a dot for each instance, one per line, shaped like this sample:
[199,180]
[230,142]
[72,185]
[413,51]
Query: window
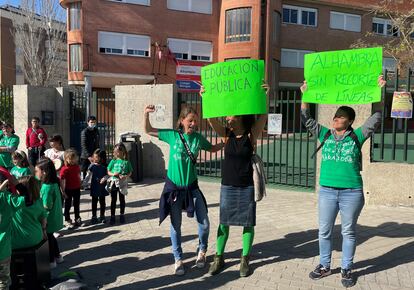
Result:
[238,25]
[293,57]
[299,15]
[200,6]
[235,58]
[275,76]
[276,27]
[384,27]
[343,21]
[191,49]
[76,62]
[141,2]
[75,16]
[124,44]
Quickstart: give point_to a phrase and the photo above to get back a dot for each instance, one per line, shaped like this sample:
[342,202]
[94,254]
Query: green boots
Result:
[217,266]
[244,266]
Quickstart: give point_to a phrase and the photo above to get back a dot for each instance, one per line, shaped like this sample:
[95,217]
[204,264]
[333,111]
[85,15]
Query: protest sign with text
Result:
[343,76]
[233,88]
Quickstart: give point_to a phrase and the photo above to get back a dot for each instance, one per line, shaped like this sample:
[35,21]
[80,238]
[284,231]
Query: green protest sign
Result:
[344,76]
[233,88]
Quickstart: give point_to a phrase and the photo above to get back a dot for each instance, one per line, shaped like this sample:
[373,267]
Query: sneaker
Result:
[244,266]
[347,278]
[122,219]
[53,265]
[94,220]
[69,225]
[59,260]
[179,268]
[320,272]
[201,260]
[78,222]
[57,235]
[102,220]
[112,220]
[217,266]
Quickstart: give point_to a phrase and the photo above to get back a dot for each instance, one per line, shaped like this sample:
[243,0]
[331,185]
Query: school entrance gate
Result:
[287,157]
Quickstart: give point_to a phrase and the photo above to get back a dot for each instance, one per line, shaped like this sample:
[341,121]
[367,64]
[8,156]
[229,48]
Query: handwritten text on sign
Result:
[344,76]
[233,88]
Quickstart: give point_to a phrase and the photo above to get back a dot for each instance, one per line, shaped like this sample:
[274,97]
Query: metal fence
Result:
[6,104]
[287,157]
[102,105]
[394,139]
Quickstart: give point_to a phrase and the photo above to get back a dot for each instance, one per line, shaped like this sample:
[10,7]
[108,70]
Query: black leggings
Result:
[75,195]
[114,195]
[102,205]
[53,248]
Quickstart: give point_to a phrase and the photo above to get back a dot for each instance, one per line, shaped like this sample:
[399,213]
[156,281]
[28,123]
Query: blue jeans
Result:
[349,203]
[202,220]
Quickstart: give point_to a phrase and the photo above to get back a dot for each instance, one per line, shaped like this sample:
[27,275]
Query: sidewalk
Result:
[137,255]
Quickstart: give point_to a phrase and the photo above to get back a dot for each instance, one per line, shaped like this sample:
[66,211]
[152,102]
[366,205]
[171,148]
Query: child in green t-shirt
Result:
[119,169]
[21,164]
[52,200]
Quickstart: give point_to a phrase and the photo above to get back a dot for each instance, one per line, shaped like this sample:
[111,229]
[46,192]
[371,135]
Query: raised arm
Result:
[147,124]
[259,125]
[372,123]
[214,122]
[308,121]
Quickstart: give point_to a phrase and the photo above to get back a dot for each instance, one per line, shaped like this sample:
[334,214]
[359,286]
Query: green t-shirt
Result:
[181,170]
[26,230]
[123,167]
[340,161]
[5,157]
[18,172]
[9,204]
[50,194]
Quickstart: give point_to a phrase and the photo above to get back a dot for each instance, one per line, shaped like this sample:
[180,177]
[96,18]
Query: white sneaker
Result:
[59,260]
[179,268]
[53,265]
[201,260]
[57,235]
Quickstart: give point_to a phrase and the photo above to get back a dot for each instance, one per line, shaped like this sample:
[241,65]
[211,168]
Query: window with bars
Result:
[238,25]
[75,16]
[76,62]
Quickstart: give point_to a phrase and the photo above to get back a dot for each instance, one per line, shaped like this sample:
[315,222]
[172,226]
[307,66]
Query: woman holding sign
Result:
[237,198]
[340,183]
[181,191]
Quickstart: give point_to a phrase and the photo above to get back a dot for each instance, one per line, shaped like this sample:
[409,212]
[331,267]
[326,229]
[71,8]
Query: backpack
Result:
[353,136]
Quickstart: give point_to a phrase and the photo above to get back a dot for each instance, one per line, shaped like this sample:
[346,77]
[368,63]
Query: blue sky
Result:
[13,2]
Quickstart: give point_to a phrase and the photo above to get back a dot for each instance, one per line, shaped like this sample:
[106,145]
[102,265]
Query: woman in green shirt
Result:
[29,223]
[52,201]
[340,183]
[181,191]
[8,144]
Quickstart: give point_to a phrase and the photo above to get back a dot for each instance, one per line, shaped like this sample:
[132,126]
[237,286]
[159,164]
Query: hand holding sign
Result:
[343,77]
[233,88]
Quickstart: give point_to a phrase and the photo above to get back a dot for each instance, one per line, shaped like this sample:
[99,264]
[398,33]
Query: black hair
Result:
[345,111]
[102,156]
[247,121]
[36,119]
[56,138]
[91,118]
[47,166]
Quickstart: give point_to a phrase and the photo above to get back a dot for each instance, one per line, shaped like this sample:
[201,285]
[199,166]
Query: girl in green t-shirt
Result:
[181,189]
[52,201]
[21,165]
[29,223]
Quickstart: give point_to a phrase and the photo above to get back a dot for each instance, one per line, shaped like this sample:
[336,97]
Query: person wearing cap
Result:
[89,143]
[35,141]
[8,144]
[341,186]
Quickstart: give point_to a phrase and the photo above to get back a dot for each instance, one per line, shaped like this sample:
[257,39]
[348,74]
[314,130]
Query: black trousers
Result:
[102,205]
[35,154]
[53,247]
[84,164]
[72,194]
[114,195]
